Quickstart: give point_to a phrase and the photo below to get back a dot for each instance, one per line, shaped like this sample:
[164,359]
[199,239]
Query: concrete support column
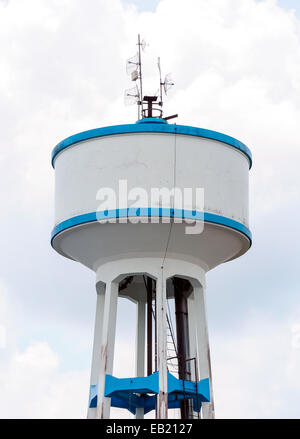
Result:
[195,375]
[107,346]
[161,298]
[96,357]
[140,348]
[203,348]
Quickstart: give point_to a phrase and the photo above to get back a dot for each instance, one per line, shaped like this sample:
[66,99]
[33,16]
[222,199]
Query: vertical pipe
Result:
[149,109]
[193,344]
[149,326]
[182,331]
[141,79]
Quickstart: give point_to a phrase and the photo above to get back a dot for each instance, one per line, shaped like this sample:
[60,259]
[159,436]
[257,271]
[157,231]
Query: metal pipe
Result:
[149,325]
[141,79]
[181,312]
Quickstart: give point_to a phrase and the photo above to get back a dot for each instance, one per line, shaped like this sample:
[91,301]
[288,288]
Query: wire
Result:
[174,179]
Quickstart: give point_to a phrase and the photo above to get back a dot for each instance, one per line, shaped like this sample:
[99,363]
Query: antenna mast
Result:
[160,83]
[133,95]
[140,103]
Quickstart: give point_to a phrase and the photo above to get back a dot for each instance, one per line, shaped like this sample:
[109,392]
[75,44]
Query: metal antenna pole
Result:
[141,80]
[160,83]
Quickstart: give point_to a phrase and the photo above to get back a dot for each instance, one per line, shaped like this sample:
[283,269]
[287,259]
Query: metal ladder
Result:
[172,360]
[172,356]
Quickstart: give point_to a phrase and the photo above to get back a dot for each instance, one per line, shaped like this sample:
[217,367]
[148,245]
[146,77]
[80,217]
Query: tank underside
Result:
[95,243]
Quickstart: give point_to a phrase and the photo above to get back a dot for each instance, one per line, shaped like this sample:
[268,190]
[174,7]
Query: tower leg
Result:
[96,358]
[193,341]
[140,348]
[161,298]
[149,325]
[203,349]
[107,346]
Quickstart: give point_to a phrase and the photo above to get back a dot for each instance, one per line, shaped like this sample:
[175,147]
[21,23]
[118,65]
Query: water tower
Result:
[118,210]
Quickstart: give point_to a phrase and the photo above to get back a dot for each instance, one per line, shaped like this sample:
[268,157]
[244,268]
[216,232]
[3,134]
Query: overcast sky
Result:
[236,65]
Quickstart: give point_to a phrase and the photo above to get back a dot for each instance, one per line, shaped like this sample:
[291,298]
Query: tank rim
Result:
[159,212]
[151,127]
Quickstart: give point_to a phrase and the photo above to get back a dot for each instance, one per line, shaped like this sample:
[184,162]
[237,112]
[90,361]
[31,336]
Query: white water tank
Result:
[150,154]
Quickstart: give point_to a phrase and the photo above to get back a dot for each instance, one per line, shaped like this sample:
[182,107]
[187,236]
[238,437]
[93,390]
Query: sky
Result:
[236,67]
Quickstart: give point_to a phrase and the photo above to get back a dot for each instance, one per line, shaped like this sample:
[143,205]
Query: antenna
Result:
[160,83]
[132,64]
[168,83]
[143,45]
[148,106]
[131,95]
[134,69]
[140,103]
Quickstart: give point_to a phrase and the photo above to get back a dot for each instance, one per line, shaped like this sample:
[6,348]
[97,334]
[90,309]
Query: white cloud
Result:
[256,371]
[33,387]
[7,330]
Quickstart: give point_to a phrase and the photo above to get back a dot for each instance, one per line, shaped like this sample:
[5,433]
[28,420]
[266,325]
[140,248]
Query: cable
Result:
[174,186]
